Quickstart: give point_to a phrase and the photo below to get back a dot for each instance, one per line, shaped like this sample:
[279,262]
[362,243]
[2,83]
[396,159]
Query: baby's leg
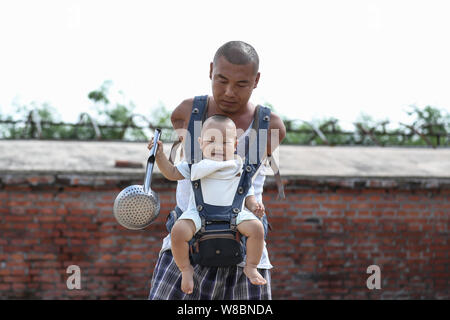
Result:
[182,233]
[254,231]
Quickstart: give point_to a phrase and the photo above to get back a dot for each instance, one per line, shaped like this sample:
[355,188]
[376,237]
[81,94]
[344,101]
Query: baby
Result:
[219,173]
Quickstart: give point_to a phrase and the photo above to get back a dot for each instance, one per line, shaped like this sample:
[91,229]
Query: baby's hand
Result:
[258,209]
[159,151]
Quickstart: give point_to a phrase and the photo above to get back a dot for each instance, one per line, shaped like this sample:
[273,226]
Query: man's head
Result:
[234,74]
[218,138]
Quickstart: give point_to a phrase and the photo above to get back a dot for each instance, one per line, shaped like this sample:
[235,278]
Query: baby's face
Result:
[218,141]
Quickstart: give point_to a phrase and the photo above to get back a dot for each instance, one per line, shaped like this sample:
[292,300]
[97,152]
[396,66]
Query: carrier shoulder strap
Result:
[192,149]
[198,110]
[262,121]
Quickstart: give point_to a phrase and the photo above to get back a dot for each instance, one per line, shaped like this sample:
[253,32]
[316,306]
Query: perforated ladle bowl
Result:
[137,206]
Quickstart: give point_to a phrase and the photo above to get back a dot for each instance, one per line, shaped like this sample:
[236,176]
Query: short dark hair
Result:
[238,52]
[220,118]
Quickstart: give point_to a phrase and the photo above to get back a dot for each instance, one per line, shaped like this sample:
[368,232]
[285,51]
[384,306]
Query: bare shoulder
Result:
[180,115]
[277,123]
[277,129]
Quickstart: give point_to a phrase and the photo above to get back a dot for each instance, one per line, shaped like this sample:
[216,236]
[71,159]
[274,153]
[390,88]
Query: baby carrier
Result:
[218,242]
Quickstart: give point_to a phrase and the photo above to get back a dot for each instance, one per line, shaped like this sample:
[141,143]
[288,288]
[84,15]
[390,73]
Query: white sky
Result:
[318,58]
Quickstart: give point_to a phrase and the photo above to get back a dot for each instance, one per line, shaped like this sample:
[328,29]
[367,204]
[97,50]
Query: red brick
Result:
[18,219]
[46,211]
[361,205]
[48,219]
[334,206]
[5,287]
[387,205]
[106,242]
[399,229]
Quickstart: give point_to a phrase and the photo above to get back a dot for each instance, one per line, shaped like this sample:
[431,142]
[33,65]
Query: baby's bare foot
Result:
[187,280]
[254,276]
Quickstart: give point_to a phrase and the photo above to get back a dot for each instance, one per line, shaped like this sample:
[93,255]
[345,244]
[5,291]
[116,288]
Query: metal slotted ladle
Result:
[136,206]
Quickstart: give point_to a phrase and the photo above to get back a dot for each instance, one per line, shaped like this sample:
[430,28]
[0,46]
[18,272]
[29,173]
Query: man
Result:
[234,74]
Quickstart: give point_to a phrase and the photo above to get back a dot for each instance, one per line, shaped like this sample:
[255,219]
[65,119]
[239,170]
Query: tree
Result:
[372,132]
[432,122]
[117,121]
[114,114]
[39,119]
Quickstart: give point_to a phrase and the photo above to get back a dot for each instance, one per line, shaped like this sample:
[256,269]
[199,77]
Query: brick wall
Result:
[325,235]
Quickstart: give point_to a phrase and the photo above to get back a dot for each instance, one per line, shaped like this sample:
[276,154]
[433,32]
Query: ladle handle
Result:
[151,161]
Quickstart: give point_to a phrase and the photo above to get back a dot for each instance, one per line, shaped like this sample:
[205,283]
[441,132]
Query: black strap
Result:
[173,151]
[278,181]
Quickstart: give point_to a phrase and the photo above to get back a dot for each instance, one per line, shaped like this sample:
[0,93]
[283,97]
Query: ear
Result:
[257,80]
[210,70]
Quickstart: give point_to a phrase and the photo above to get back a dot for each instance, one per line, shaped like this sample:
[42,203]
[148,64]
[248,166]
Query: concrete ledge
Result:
[35,180]
[75,163]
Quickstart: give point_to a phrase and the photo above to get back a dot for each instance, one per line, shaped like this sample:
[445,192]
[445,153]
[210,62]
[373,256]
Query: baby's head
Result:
[218,139]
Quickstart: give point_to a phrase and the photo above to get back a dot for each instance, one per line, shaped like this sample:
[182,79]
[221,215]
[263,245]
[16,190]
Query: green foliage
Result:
[117,118]
[431,121]
[101,95]
[160,117]
[46,114]
[119,122]
[372,132]
[307,133]
[112,114]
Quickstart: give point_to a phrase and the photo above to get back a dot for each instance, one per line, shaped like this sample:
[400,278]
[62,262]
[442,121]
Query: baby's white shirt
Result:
[218,179]
[185,197]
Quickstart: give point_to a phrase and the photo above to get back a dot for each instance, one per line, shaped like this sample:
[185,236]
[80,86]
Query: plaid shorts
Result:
[210,283]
